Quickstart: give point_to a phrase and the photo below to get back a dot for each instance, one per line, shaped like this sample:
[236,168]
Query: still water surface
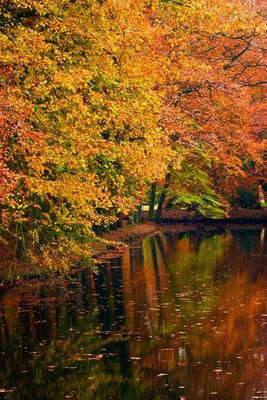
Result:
[178,316]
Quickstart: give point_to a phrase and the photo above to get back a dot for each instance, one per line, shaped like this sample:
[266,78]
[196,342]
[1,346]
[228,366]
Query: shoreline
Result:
[186,221]
[128,233]
[237,215]
[173,222]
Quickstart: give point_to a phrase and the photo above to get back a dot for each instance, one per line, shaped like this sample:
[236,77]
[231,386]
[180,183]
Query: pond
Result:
[178,316]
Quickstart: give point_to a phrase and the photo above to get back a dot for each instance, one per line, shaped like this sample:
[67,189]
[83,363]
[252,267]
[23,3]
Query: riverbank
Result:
[128,233]
[236,215]
[182,221]
[173,222]
[187,221]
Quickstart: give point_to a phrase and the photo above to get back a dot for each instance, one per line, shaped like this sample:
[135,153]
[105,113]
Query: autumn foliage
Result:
[99,99]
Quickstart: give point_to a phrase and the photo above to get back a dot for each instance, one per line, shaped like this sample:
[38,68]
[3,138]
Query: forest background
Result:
[105,103]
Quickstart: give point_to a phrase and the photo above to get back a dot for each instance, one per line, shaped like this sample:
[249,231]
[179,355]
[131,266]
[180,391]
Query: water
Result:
[176,317]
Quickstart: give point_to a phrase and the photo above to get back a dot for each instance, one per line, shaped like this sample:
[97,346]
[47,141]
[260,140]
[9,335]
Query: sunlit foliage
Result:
[101,98]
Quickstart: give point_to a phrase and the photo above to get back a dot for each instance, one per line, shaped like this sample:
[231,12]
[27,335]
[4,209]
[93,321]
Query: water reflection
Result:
[176,316]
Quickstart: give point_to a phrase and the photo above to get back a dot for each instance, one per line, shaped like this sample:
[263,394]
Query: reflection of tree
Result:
[169,277]
[4,332]
[174,311]
[59,345]
[201,296]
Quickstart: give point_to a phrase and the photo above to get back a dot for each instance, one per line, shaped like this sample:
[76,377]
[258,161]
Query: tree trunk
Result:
[131,220]
[152,201]
[119,222]
[162,199]
[160,205]
[137,215]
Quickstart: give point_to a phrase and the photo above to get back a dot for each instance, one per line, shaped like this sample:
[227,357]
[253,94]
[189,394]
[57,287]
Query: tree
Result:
[86,71]
[207,105]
